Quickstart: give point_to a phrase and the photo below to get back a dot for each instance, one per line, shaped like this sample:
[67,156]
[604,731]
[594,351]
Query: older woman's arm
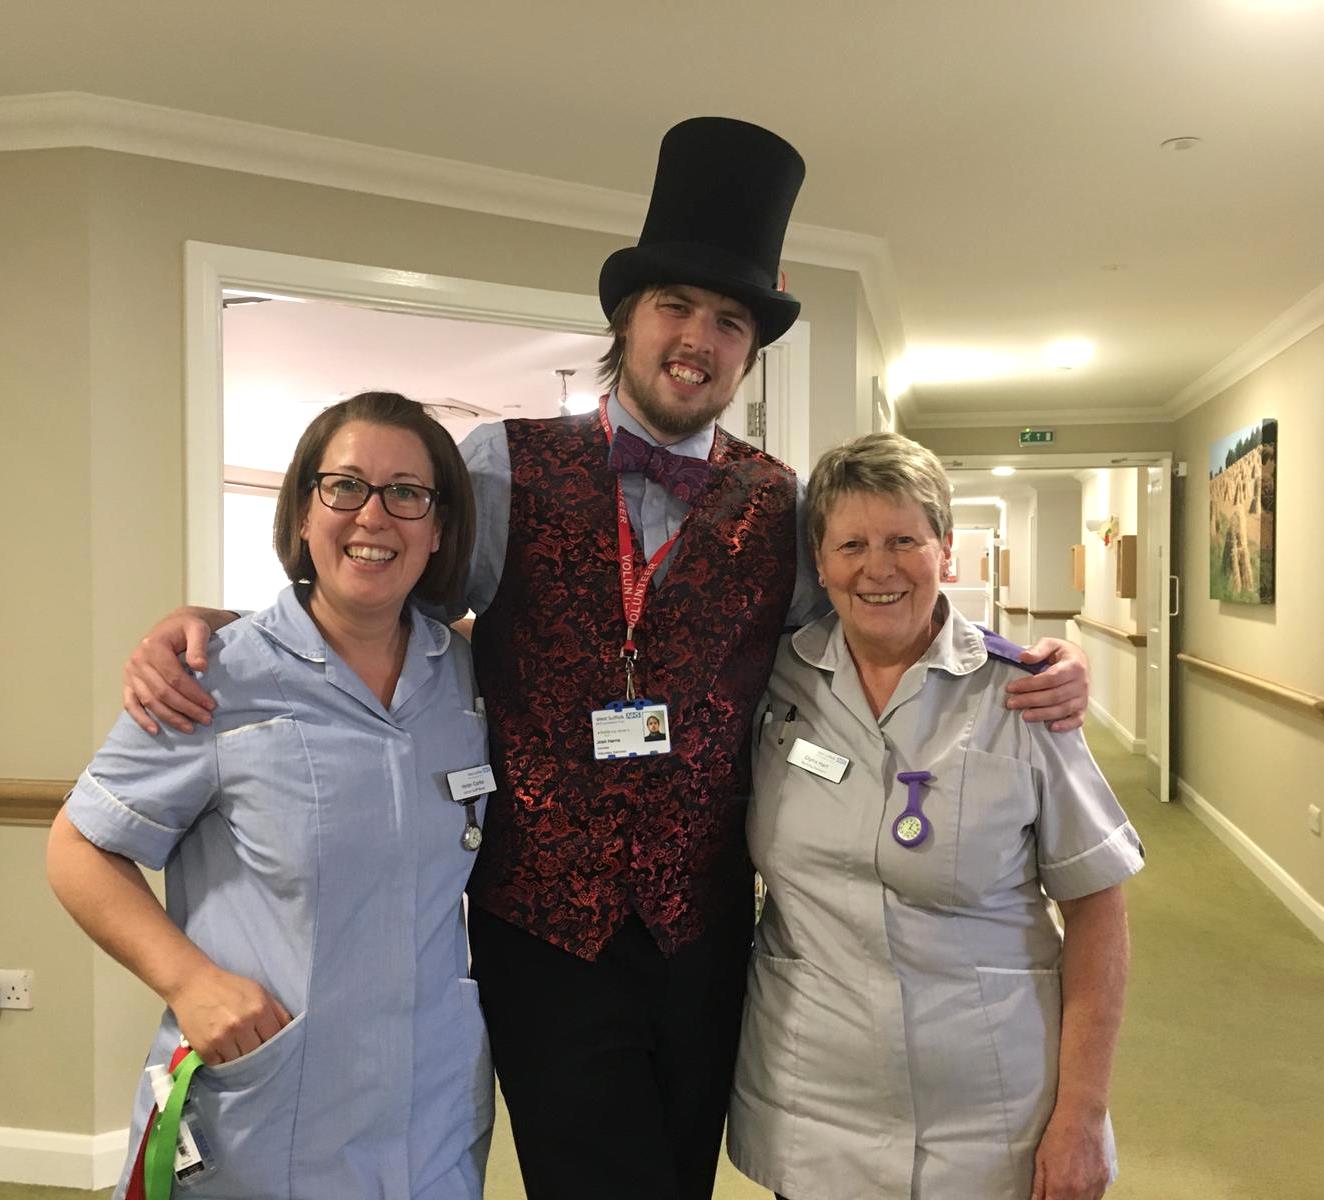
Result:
[223,1015]
[1071,1162]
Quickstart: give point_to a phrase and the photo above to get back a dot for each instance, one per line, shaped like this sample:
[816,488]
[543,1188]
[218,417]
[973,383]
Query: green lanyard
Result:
[159,1164]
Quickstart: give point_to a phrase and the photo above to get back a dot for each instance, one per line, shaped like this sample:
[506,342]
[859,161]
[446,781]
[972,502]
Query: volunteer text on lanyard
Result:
[633,727]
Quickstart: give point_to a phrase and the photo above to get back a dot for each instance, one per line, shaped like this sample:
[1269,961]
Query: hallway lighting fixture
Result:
[1002,471]
[1066,354]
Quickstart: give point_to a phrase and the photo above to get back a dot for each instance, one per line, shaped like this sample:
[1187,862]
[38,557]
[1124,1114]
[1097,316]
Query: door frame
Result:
[210,267]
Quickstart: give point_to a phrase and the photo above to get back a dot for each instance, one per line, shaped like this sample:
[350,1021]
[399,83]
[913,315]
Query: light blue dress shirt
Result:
[655,514]
[310,843]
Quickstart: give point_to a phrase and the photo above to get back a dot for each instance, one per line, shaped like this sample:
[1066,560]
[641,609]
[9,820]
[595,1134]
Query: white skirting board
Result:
[70,1160]
[1128,739]
[1302,904]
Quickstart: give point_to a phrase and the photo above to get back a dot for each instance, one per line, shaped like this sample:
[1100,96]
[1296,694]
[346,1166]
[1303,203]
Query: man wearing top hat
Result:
[611,901]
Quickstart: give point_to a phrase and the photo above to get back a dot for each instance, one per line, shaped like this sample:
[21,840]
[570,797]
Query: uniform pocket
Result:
[1024,1013]
[247,1110]
[995,839]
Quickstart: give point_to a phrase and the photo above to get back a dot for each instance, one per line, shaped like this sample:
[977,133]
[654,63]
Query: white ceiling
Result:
[1008,152]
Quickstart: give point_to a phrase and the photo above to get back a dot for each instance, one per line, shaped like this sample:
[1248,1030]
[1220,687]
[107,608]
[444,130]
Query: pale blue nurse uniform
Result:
[310,842]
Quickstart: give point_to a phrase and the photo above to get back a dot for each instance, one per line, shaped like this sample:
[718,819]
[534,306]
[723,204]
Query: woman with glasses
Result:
[316,839]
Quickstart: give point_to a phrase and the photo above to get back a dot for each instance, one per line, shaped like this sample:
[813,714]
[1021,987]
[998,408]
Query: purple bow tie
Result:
[683,477]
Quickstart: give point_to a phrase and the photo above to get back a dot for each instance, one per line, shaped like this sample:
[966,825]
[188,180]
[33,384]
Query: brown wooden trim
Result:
[1136,639]
[1265,687]
[31,801]
[1015,610]
[1054,614]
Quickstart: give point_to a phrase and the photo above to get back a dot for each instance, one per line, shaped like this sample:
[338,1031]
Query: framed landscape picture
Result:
[1242,476]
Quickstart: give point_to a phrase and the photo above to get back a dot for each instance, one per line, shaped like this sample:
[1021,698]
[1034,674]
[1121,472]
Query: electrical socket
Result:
[15,989]
[1312,818]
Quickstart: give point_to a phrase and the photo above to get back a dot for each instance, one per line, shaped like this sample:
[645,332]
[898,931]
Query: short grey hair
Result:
[885,464]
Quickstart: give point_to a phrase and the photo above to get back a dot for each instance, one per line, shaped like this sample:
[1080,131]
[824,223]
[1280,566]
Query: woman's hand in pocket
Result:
[225,1016]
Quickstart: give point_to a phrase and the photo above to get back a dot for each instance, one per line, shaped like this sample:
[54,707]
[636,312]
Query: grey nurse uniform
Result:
[903,1017]
[310,843]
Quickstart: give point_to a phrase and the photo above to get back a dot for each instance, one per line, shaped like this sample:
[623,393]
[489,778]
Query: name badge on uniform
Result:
[817,761]
[465,785]
[631,729]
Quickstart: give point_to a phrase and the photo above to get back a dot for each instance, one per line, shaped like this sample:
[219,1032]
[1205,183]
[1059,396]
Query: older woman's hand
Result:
[1072,1160]
[1059,695]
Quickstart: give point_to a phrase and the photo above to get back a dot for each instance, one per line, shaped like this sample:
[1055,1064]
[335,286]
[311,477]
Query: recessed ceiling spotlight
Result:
[1066,354]
[1004,471]
[1180,143]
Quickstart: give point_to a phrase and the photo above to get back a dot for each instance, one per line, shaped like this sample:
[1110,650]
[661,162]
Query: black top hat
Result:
[717,218]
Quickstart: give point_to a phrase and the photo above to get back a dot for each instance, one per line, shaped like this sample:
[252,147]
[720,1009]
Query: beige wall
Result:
[1069,439]
[1117,669]
[91,383]
[1257,762]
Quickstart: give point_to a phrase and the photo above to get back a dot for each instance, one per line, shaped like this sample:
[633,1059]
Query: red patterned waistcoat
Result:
[572,846]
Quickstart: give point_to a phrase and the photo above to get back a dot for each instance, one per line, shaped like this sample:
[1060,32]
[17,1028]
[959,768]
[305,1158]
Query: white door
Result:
[1160,603]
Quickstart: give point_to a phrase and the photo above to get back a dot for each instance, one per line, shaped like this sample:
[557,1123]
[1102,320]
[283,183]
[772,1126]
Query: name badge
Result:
[472,781]
[818,761]
[631,729]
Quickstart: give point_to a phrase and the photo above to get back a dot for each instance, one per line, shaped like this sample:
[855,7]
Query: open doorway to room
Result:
[1082,552]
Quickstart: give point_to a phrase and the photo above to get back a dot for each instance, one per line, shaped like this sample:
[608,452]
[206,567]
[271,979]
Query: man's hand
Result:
[155,680]
[225,1016]
[1059,695]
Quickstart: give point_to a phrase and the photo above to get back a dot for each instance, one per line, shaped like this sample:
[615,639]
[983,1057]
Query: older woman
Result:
[916,1025]
[316,839]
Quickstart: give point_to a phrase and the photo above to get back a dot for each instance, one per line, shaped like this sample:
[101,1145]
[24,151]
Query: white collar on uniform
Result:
[697,445]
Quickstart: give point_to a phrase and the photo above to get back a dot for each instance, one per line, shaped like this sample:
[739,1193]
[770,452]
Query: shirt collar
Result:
[697,445]
[288,624]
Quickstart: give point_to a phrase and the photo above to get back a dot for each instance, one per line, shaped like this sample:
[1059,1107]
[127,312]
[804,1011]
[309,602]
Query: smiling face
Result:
[367,561]
[686,350]
[881,561]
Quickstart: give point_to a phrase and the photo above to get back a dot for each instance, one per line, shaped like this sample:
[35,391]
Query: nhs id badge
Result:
[631,729]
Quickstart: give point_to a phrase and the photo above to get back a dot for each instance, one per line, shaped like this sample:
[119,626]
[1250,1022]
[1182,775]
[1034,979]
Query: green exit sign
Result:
[1036,437]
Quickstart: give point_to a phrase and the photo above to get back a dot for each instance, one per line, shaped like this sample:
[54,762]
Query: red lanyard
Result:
[634,591]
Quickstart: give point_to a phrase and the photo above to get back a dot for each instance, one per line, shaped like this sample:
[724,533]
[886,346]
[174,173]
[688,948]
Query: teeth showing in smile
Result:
[370,553]
[685,374]
[880,597]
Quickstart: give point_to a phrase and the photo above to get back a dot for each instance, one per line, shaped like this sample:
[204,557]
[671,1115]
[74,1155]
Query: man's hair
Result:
[885,464]
[611,363]
[442,581]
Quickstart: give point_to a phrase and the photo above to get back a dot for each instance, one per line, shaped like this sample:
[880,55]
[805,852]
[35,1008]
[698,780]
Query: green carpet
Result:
[1219,1088]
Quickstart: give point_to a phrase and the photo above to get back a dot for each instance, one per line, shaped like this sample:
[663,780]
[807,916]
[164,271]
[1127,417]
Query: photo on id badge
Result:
[631,731]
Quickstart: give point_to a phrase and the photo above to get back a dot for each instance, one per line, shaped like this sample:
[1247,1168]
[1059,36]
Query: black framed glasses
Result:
[349,493]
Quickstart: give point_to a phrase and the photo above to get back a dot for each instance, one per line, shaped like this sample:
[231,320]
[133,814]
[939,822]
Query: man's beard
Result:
[674,422]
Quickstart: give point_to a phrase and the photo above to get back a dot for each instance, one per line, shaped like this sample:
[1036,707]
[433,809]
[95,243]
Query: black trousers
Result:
[616,1072]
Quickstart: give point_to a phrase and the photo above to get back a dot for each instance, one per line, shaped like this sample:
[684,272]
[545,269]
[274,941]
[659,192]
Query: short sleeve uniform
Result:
[310,843]
[903,1016]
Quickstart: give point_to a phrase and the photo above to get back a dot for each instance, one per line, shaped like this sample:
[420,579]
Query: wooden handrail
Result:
[31,801]
[1015,610]
[1054,614]
[1136,639]
[1264,686]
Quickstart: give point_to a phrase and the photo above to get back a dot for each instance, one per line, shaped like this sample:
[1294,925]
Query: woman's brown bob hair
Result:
[442,583]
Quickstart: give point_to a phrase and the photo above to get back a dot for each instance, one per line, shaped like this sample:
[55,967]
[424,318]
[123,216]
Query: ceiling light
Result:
[579,402]
[1066,354]
[1002,471]
[1180,143]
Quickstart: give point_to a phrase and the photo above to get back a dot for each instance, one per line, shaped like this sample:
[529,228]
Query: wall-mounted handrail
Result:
[31,801]
[1136,639]
[1016,610]
[1053,614]
[1264,686]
